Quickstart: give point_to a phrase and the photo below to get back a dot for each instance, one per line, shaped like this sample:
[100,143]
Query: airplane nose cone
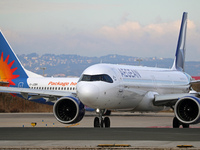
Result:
[88,94]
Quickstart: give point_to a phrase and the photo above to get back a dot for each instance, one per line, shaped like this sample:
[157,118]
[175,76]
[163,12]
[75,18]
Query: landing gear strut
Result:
[100,121]
[177,123]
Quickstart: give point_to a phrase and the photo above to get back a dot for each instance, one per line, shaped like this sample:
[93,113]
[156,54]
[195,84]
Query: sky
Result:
[138,28]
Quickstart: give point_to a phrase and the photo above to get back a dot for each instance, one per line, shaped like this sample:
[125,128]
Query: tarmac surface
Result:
[136,130]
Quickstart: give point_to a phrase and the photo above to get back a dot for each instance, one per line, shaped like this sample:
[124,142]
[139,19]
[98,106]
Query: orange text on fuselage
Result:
[62,83]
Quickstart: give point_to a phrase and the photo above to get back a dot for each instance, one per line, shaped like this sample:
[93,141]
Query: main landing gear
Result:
[177,124]
[100,121]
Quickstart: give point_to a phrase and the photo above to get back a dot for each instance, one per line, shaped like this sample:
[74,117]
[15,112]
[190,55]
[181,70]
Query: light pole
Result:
[139,59]
[43,68]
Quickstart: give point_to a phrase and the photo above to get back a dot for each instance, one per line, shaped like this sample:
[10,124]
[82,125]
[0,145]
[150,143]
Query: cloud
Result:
[127,38]
[157,39]
[135,30]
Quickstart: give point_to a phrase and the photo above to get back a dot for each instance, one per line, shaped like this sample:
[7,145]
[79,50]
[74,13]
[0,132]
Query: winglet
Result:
[179,61]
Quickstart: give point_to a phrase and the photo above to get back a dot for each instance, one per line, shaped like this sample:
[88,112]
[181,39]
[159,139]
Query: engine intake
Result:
[187,110]
[68,110]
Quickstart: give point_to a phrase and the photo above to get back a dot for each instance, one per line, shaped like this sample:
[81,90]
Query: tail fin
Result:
[11,70]
[179,61]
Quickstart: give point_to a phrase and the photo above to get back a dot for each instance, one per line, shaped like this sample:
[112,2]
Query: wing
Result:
[195,82]
[31,94]
[171,99]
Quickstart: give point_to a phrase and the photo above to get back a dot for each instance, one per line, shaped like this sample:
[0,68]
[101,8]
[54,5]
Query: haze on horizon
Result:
[139,28]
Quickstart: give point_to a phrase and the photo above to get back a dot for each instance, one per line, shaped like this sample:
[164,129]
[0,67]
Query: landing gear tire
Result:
[177,123]
[96,122]
[101,123]
[107,122]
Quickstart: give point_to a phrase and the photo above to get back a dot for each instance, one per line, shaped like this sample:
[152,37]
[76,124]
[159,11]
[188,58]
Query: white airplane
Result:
[142,89]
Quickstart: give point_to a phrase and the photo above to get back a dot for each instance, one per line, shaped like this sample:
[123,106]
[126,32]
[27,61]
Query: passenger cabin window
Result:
[100,77]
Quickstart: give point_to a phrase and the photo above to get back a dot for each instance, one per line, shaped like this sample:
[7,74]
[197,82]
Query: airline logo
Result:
[6,73]
[129,73]
[62,83]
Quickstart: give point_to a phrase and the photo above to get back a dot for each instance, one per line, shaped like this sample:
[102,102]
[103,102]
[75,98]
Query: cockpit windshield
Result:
[100,77]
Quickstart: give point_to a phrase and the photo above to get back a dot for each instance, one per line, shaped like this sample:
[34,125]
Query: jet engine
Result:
[68,110]
[187,110]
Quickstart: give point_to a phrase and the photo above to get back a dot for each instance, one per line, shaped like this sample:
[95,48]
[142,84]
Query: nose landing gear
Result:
[100,121]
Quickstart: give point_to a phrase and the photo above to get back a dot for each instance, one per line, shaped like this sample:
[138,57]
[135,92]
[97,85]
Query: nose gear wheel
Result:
[100,121]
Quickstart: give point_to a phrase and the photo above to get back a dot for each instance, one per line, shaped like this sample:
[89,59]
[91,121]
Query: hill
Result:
[73,65]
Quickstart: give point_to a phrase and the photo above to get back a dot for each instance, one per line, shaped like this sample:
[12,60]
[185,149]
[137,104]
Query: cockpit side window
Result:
[100,77]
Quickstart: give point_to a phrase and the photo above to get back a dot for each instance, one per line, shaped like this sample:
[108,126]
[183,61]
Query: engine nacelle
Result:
[68,110]
[187,110]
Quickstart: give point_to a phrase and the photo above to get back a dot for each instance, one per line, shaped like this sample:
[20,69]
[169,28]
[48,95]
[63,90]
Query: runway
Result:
[137,130]
[146,134]
[118,120]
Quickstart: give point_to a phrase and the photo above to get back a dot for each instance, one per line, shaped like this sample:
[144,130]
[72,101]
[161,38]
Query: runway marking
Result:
[159,127]
[72,125]
[185,146]
[114,145]
[168,127]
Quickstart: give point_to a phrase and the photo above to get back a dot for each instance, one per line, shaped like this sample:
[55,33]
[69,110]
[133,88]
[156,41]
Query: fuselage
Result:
[48,83]
[108,86]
